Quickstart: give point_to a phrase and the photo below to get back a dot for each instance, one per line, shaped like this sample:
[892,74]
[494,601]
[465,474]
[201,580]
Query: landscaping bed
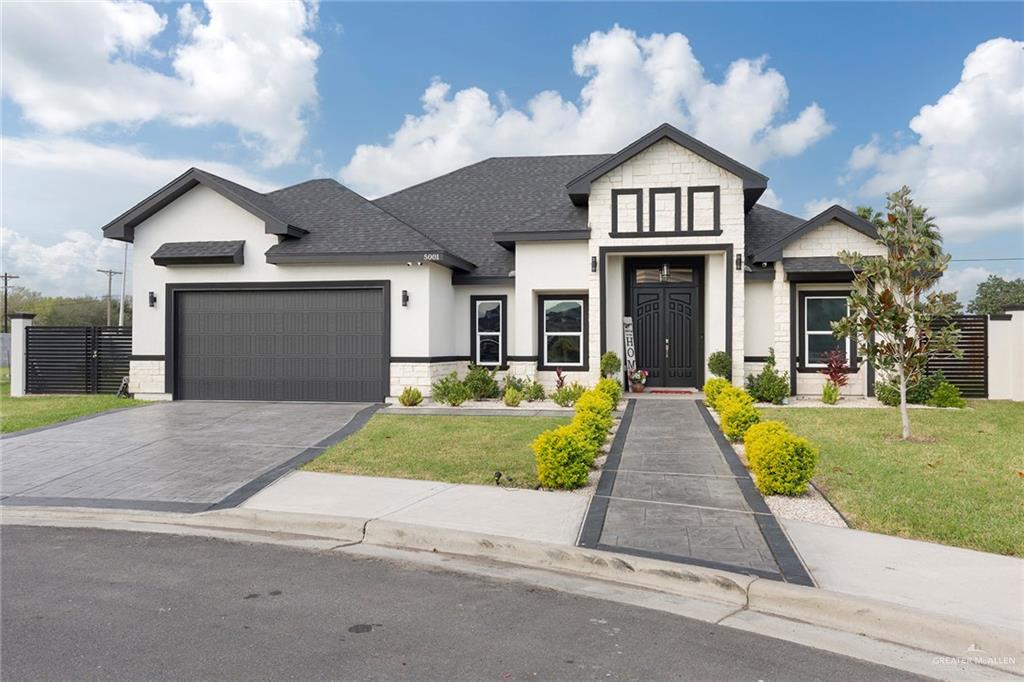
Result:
[29,412]
[453,449]
[958,482]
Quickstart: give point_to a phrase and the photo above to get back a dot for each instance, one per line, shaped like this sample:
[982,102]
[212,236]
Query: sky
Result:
[103,103]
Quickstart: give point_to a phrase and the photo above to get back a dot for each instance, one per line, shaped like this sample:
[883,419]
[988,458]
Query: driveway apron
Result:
[178,456]
[673,489]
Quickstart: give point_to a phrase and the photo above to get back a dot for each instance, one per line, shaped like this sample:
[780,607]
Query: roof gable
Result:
[123,227]
[754,183]
[836,212]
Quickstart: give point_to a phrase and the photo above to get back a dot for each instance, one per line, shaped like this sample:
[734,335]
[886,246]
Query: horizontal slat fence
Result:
[970,372]
[76,359]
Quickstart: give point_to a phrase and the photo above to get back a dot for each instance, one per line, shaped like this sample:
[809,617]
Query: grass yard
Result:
[961,482]
[454,449]
[18,414]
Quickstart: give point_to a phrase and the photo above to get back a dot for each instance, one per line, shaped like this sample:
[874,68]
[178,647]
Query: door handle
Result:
[666,349]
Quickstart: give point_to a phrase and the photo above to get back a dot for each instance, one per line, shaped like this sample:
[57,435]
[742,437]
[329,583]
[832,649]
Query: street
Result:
[90,604]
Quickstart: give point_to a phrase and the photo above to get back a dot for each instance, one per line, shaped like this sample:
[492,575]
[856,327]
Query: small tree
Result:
[892,305]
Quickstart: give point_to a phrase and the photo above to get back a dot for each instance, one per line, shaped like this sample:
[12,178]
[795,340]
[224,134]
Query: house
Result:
[525,264]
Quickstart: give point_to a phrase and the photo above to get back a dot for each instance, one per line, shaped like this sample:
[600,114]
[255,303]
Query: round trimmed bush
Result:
[411,396]
[762,436]
[594,417]
[610,364]
[783,463]
[731,393]
[563,457]
[737,416]
[720,364]
[946,395]
[513,396]
[612,389]
[712,387]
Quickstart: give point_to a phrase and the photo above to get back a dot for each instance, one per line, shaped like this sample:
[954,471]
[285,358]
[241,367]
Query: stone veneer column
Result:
[780,301]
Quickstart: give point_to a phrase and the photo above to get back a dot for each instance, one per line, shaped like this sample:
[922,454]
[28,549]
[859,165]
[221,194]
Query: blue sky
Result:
[87,135]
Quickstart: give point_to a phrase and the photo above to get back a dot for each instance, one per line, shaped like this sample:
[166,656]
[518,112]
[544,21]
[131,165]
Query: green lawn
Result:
[961,482]
[17,414]
[454,449]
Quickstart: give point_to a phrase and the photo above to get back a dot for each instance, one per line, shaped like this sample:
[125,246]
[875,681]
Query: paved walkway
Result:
[181,456]
[673,489]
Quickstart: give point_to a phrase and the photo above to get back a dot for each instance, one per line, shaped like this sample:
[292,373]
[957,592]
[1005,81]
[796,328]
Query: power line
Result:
[7,278]
[110,274]
[979,260]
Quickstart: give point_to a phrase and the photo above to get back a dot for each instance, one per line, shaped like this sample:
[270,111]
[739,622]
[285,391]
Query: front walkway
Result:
[673,489]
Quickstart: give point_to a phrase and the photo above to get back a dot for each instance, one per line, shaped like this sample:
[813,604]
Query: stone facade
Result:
[830,239]
[146,377]
[421,375]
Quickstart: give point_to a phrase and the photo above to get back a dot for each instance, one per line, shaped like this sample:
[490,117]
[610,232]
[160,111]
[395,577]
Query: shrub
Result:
[918,393]
[533,391]
[518,383]
[836,368]
[410,397]
[611,365]
[594,417]
[783,463]
[737,417]
[611,388]
[720,364]
[449,390]
[563,457]
[567,395]
[769,386]
[712,388]
[481,382]
[513,397]
[731,393]
[830,393]
[946,395]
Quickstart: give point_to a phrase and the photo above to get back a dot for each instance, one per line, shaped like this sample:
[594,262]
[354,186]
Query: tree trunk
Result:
[904,412]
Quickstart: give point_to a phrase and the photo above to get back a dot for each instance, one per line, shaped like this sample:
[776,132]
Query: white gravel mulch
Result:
[844,402]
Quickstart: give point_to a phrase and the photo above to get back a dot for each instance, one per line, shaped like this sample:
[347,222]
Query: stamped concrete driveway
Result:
[181,456]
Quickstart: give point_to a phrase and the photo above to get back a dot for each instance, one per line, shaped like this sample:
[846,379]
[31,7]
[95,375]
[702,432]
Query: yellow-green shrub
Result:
[732,394]
[564,456]
[783,463]
[712,388]
[594,416]
[611,388]
[737,415]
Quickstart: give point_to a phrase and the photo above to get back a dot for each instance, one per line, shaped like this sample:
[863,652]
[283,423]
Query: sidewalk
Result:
[537,515]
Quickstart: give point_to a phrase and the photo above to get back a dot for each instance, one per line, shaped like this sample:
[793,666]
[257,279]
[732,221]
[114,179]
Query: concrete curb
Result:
[994,647]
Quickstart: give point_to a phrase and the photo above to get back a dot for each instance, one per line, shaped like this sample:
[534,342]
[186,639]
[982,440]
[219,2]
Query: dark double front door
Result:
[666,330]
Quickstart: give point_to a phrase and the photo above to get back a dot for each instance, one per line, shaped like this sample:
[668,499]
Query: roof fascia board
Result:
[508,238]
[835,212]
[444,258]
[482,279]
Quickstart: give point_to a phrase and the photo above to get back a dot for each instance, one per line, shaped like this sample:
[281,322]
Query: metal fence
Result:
[970,372]
[76,359]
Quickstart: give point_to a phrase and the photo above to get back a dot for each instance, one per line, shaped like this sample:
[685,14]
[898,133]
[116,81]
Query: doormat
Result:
[682,391]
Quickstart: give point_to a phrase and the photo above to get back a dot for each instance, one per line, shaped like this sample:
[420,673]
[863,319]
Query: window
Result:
[663,275]
[563,332]
[488,330]
[819,312]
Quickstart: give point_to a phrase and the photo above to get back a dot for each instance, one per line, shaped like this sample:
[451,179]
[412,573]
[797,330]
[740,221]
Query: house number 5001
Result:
[431,256]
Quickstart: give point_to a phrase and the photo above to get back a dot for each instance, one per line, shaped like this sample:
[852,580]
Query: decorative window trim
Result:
[716,191]
[584,333]
[677,193]
[502,334]
[639,194]
[803,366]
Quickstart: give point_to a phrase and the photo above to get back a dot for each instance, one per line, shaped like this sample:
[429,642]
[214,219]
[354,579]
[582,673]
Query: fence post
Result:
[20,322]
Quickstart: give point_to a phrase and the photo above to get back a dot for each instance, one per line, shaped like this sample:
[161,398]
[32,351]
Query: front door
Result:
[666,329]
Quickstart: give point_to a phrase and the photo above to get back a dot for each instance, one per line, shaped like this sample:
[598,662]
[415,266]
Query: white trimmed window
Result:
[819,313]
[562,329]
[489,332]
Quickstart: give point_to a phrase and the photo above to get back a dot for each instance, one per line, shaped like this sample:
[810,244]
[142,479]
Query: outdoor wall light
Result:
[593,263]
[665,272]
[405,298]
[152,300]
[739,261]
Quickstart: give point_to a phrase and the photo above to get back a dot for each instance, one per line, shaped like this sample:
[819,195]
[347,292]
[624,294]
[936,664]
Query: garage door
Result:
[314,345]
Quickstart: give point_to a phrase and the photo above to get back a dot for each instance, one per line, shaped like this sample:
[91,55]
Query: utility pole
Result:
[124,278]
[7,278]
[110,276]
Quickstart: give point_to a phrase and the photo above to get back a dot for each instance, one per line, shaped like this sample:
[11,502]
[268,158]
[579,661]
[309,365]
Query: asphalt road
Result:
[89,604]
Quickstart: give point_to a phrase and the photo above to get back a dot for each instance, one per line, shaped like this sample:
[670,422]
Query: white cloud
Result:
[967,163]
[633,83]
[816,206]
[58,192]
[964,281]
[72,66]
[771,199]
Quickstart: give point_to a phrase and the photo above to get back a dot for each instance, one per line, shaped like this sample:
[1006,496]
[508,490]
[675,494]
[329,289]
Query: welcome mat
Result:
[674,391]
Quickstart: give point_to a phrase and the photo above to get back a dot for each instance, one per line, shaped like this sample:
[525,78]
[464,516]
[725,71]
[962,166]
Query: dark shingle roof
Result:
[814,264]
[463,209]
[341,221]
[190,253]
[765,226]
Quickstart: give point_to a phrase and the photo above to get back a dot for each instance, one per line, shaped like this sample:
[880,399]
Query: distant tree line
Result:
[65,311]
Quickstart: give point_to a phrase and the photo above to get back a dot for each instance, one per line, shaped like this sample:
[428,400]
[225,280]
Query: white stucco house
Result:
[526,264]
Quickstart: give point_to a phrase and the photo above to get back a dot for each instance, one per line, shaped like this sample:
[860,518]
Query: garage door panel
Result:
[315,345]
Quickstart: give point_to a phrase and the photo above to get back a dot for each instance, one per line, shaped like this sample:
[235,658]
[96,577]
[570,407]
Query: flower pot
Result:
[637,388]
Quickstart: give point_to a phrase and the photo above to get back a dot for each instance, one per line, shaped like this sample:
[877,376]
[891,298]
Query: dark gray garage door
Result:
[315,345]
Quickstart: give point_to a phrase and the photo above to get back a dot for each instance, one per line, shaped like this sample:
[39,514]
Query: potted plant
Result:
[637,380]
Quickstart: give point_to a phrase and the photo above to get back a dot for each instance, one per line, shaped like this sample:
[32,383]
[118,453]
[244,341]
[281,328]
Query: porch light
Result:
[664,272]
[405,298]
[152,300]
[739,261]
[593,263]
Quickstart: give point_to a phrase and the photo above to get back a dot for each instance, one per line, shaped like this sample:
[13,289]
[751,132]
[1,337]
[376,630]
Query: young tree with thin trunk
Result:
[893,307]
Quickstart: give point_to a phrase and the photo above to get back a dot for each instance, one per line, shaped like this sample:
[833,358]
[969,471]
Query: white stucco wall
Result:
[666,164]
[544,268]
[759,318]
[1005,362]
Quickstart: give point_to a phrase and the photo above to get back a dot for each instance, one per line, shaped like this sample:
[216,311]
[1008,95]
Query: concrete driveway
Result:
[179,456]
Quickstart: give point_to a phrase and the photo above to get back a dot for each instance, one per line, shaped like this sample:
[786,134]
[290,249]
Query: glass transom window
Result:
[488,337]
[663,275]
[562,333]
[819,314]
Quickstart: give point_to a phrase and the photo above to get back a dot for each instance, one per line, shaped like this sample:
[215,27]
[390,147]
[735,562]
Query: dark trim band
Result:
[428,359]
[440,257]
[716,193]
[677,193]
[639,194]
[584,332]
[159,358]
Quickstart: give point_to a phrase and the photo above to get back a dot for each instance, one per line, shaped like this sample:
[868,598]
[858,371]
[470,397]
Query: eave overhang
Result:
[444,258]
[773,251]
